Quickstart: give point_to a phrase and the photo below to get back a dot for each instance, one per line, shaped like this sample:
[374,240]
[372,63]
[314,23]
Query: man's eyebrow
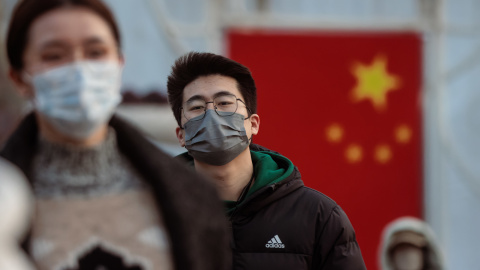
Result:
[195,97]
[218,94]
[222,93]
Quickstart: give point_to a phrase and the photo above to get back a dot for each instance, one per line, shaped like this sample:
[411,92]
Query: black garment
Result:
[286,225]
[314,231]
[190,206]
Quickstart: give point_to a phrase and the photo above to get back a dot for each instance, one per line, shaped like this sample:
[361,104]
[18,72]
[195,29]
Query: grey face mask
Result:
[216,140]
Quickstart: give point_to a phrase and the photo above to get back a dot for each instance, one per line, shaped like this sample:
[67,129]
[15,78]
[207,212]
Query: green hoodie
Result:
[269,168]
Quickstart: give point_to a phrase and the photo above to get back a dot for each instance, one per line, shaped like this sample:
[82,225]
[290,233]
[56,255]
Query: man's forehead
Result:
[209,87]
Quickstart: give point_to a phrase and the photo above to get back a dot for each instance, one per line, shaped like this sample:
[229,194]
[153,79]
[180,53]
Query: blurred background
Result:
[376,101]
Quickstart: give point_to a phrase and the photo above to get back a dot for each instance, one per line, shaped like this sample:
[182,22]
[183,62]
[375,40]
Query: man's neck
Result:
[230,179]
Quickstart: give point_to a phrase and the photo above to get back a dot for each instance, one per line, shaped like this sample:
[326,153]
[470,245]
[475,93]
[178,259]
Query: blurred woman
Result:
[408,243]
[106,198]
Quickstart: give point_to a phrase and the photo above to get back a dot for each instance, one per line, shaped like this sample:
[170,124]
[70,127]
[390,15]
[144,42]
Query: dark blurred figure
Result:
[105,197]
[409,243]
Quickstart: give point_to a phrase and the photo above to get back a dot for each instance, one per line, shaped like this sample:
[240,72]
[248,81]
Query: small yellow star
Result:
[403,134]
[334,133]
[354,153]
[374,82]
[383,153]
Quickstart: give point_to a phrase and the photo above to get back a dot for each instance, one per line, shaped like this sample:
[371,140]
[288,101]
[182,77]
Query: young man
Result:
[277,222]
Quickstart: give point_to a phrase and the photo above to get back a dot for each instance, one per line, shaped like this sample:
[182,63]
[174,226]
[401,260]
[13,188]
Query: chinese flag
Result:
[345,108]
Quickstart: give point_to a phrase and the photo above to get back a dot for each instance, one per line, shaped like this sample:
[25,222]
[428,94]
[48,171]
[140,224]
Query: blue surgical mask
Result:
[78,98]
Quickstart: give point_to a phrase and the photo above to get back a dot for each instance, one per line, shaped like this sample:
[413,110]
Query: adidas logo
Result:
[275,243]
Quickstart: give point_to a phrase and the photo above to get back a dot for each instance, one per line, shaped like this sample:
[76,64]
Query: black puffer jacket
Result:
[190,206]
[289,226]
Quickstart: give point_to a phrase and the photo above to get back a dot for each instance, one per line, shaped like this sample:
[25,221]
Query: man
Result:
[277,222]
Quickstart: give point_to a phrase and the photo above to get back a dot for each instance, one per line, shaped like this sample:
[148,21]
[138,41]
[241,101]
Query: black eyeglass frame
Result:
[215,108]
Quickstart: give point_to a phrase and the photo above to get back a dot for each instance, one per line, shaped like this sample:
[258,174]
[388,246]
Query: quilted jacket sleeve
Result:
[336,245]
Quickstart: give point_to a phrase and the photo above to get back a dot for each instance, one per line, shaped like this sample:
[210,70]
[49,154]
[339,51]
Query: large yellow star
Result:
[374,82]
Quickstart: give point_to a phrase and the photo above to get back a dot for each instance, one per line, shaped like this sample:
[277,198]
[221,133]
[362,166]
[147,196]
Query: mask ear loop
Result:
[32,102]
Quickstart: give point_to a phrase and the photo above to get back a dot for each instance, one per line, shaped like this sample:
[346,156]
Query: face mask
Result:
[408,258]
[216,140]
[78,98]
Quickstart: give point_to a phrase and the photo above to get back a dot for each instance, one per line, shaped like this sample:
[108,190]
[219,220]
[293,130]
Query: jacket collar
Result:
[266,194]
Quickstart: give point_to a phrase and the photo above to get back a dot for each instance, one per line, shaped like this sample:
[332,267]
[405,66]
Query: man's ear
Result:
[255,120]
[180,136]
[23,88]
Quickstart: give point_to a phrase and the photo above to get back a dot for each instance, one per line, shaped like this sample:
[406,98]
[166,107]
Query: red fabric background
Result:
[305,82]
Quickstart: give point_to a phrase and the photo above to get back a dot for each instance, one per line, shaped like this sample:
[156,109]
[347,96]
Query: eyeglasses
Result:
[224,105]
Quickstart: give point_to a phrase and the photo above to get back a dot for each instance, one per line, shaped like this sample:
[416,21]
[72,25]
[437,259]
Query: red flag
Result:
[344,107]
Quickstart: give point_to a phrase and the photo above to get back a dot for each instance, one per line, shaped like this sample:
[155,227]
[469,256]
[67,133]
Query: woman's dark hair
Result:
[192,65]
[27,11]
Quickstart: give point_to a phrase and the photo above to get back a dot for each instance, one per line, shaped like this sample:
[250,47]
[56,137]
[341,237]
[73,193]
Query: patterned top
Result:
[93,211]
